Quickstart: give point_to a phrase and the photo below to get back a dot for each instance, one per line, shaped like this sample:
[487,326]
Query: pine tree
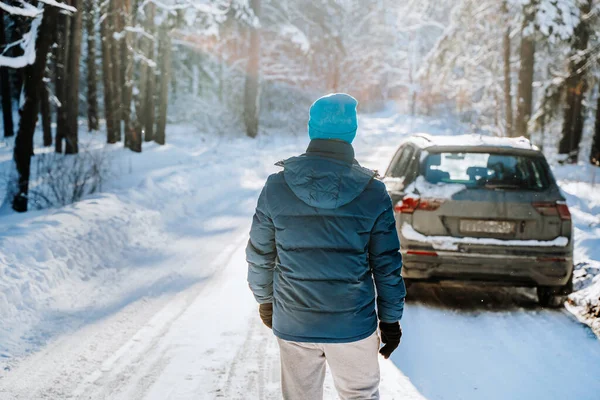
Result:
[252,86]
[45,113]
[114,17]
[92,90]
[526,71]
[5,87]
[164,50]
[576,87]
[595,153]
[61,74]
[34,73]
[507,80]
[143,76]
[71,138]
[149,100]
[107,76]
[127,72]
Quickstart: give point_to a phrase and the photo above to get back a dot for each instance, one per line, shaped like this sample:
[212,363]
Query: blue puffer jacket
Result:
[322,239]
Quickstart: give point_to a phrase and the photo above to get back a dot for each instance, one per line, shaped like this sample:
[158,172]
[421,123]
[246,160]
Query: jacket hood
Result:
[325,182]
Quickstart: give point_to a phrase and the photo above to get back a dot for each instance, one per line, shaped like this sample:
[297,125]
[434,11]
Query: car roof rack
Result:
[425,136]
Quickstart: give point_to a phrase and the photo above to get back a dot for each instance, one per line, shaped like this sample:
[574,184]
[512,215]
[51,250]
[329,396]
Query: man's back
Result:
[324,208]
[323,250]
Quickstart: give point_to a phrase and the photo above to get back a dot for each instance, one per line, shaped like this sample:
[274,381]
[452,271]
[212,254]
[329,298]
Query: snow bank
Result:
[48,261]
[578,185]
[66,267]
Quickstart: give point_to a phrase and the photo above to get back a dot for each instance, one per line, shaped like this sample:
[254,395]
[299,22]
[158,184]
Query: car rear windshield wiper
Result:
[491,185]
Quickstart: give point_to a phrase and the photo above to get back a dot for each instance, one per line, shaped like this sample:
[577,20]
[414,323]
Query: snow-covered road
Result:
[181,324]
[495,343]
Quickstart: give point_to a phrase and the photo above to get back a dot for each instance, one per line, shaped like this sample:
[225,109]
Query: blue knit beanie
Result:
[333,117]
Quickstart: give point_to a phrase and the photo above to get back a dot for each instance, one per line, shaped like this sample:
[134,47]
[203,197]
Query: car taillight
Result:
[563,210]
[409,204]
[556,209]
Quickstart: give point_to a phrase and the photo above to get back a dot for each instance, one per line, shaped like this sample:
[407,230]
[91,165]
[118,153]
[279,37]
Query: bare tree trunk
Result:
[149,101]
[411,73]
[595,153]
[507,80]
[140,98]
[174,83]
[19,188]
[45,112]
[7,119]
[164,50]
[576,86]
[114,16]
[127,71]
[525,88]
[107,78]
[252,85]
[71,140]
[20,27]
[92,90]
[62,56]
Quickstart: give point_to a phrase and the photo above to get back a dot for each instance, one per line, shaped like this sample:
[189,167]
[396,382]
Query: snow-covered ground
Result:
[139,292]
[581,187]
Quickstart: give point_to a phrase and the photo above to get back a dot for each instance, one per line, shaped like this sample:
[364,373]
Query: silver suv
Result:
[480,208]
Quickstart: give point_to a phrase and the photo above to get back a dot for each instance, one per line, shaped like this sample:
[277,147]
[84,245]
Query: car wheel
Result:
[554,296]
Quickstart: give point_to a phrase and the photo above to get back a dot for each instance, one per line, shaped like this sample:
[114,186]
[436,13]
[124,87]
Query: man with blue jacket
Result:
[323,251]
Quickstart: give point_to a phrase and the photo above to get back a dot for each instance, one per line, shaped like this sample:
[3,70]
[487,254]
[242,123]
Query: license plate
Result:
[483,226]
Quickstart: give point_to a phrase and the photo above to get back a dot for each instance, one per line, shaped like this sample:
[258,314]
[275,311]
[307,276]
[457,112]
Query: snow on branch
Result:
[139,30]
[28,45]
[11,45]
[55,3]
[27,42]
[422,25]
[140,57]
[187,4]
[26,11]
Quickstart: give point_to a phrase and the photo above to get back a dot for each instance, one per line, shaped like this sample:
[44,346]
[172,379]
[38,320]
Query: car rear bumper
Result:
[550,269]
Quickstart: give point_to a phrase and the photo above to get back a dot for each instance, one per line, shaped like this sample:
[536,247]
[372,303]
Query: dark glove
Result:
[266,314]
[390,337]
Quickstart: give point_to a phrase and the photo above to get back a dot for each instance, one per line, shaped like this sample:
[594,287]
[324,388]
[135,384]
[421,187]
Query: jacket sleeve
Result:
[386,264]
[261,252]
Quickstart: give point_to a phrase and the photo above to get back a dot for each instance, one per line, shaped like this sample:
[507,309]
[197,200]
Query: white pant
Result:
[354,367]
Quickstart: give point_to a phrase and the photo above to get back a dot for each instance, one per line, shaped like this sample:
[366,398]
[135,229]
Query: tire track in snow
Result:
[252,373]
[115,373]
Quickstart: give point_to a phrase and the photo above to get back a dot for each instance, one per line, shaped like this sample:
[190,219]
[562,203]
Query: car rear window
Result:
[487,170]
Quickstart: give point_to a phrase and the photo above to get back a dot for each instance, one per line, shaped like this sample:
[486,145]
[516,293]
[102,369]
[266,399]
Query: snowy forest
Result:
[130,67]
[136,138]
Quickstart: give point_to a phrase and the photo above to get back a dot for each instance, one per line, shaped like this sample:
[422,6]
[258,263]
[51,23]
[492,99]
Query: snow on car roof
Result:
[472,140]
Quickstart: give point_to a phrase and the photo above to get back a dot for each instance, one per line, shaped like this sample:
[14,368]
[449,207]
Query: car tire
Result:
[554,296]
